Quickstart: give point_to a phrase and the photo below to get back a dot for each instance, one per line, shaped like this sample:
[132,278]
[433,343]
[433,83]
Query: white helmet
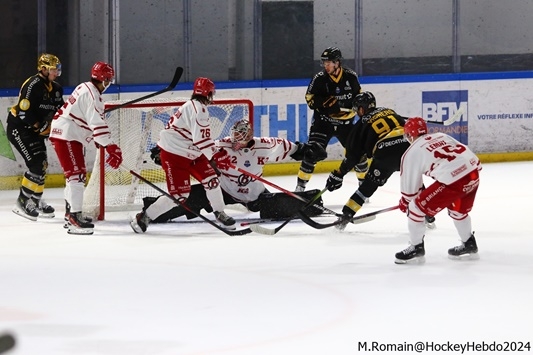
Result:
[241,134]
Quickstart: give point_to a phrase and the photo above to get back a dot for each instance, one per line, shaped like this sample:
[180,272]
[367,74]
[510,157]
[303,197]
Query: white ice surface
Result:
[190,289]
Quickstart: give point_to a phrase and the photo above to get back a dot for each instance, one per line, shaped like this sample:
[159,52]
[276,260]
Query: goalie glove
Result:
[334,180]
[155,155]
[114,156]
[312,152]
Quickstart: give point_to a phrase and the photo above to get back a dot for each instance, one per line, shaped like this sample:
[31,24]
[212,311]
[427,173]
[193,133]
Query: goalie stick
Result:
[262,230]
[177,76]
[176,201]
[355,220]
[7,342]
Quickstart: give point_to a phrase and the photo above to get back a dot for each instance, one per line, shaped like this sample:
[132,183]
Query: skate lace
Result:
[30,205]
[409,249]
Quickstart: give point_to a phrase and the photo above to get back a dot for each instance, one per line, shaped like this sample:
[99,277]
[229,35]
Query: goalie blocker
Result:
[268,205]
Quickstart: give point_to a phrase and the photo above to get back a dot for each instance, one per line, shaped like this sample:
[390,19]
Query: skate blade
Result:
[46,215]
[413,261]
[21,213]
[80,231]
[136,228]
[464,257]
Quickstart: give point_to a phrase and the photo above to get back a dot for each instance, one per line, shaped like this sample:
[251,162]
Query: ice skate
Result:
[466,251]
[67,213]
[45,210]
[343,221]
[25,207]
[413,254]
[77,225]
[227,221]
[139,224]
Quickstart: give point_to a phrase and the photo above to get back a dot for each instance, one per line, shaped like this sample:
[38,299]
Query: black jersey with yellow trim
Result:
[343,87]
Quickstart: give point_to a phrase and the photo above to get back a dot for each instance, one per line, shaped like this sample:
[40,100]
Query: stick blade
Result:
[177,76]
[7,342]
[262,230]
[363,219]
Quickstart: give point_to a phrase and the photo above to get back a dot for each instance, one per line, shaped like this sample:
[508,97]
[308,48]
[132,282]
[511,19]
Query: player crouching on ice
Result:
[251,154]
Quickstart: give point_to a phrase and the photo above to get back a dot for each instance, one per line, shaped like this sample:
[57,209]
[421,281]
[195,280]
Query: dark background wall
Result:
[270,39]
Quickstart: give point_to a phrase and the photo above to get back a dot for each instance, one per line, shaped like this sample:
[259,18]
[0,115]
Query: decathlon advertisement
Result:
[491,113]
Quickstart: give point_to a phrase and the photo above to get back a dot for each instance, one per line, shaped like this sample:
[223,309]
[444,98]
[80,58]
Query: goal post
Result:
[135,129]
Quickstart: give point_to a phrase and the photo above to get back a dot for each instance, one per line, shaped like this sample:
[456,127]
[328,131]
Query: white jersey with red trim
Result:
[82,117]
[252,158]
[438,156]
[188,132]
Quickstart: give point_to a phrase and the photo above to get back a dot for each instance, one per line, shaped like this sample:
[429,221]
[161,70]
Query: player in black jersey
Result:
[378,136]
[28,125]
[330,94]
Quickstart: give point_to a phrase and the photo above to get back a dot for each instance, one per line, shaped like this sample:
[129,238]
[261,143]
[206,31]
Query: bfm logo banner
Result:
[441,106]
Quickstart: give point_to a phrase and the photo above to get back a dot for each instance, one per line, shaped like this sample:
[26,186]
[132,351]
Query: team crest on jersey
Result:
[348,86]
[243,180]
[337,90]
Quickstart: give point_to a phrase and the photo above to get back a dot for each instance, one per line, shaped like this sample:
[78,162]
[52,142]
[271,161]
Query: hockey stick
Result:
[452,119]
[176,201]
[290,193]
[262,230]
[355,220]
[7,342]
[171,86]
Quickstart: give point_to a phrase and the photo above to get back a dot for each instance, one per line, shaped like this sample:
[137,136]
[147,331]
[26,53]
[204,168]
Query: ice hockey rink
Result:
[188,289]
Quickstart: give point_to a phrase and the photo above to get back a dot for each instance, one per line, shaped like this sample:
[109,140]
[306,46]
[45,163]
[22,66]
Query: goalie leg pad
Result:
[270,205]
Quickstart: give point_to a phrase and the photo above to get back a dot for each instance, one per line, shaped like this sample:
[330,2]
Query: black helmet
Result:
[331,53]
[366,100]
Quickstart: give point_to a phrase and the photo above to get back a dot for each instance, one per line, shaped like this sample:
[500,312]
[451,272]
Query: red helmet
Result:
[102,71]
[204,87]
[414,127]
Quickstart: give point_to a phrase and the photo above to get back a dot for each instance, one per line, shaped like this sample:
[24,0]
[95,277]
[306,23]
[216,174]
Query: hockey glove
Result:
[334,180]
[114,156]
[403,205]
[222,159]
[330,102]
[44,128]
[155,155]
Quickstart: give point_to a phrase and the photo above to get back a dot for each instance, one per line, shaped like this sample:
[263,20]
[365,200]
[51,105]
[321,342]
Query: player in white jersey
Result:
[251,154]
[75,125]
[455,169]
[187,149]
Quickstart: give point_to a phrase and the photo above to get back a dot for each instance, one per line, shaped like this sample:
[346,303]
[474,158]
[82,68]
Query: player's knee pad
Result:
[38,165]
[415,213]
[458,216]
[80,177]
[211,183]
[378,176]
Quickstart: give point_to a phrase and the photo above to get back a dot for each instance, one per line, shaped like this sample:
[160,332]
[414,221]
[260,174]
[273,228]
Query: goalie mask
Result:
[241,134]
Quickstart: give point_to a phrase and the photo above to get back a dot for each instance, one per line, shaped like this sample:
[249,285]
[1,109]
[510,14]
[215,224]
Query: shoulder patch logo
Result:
[24,104]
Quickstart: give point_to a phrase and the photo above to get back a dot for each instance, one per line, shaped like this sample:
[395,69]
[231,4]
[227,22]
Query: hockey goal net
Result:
[135,129]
